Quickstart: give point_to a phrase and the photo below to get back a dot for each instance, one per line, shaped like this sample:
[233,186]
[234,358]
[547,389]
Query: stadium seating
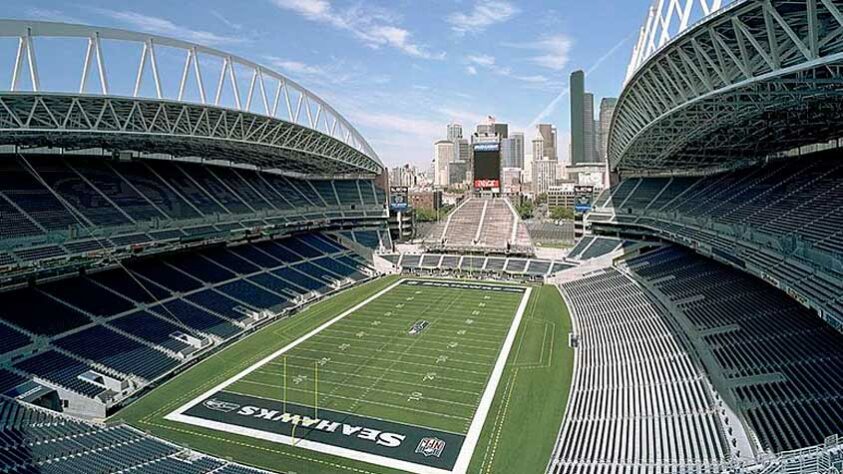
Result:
[140,315]
[779,360]
[480,224]
[783,219]
[600,246]
[36,441]
[72,197]
[640,400]
[438,264]
[778,199]
[549,232]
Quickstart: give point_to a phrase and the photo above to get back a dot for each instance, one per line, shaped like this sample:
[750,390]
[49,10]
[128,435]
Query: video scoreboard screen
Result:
[583,196]
[399,198]
[487,166]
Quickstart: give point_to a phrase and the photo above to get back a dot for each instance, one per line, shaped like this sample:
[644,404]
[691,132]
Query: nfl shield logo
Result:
[430,447]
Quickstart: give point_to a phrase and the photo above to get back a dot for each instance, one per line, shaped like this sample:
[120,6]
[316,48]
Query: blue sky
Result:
[400,70]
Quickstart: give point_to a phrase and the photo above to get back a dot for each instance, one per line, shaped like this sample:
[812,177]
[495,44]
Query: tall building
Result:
[512,151]
[590,153]
[493,128]
[457,173]
[463,150]
[578,141]
[454,132]
[404,176]
[543,167]
[607,111]
[548,135]
[501,130]
[443,154]
[544,175]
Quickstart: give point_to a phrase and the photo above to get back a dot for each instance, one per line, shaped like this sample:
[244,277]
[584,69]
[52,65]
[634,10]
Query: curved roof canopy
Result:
[80,86]
[749,81]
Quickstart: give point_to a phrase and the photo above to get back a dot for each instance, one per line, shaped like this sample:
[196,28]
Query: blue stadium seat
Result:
[118,352]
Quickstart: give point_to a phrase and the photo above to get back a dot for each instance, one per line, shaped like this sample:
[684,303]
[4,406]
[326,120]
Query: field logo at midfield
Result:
[219,405]
[430,447]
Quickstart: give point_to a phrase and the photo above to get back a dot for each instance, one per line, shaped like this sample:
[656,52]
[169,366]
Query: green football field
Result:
[369,364]
[350,385]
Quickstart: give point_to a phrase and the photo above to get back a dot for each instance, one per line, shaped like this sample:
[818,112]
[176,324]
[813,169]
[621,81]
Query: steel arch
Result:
[667,19]
[757,78]
[270,96]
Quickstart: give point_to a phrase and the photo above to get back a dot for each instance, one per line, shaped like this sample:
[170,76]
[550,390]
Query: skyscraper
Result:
[463,149]
[590,153]
[501,129]
[578,142]
[543,166]
[443,154]
[516,153]
[454,132]
[493,128]
[607,111]
[548,135]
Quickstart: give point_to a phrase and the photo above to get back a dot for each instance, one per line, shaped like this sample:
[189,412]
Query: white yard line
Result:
[277,353]
[489,395]
[469,444]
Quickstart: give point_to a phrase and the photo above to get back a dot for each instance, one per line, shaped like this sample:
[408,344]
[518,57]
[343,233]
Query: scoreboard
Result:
[487,167]
[399,198]
[583,196]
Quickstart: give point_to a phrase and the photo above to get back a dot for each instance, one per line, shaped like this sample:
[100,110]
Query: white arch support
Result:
[171,81]
[665,20]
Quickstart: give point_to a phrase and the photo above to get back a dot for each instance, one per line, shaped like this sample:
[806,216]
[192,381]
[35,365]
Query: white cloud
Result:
[335,72]
[483,15]
[165,27]
[482,60]
[490,64]
[225,21]
[551,107]
[399,123]
[47,14]
[296,67]
[374,27]
[552,52]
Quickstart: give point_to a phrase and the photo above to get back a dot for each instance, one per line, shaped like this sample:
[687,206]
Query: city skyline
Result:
[398,72]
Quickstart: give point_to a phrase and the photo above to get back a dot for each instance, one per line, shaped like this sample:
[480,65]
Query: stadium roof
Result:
[207,103]
[749,81]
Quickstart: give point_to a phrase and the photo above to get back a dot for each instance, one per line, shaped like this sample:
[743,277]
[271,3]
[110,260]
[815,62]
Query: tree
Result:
[559,213]
[525,210]
[425,215]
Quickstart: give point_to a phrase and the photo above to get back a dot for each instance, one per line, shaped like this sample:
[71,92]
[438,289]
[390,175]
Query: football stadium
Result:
[198,273]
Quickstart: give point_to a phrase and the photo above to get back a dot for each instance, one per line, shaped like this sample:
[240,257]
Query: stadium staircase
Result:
[640,400]
[488,225]
[482,221]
